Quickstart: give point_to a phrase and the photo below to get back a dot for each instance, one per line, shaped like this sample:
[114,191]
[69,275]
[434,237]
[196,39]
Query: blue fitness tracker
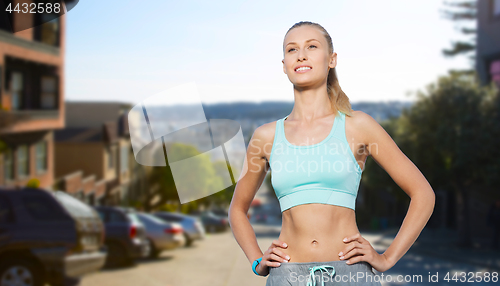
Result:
[254,265]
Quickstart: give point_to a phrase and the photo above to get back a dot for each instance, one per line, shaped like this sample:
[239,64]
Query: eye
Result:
[309,46]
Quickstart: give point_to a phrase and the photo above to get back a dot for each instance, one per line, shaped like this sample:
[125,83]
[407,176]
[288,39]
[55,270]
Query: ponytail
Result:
[338,99]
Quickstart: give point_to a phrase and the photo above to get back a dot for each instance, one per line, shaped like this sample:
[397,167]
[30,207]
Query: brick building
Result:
[488,41]
[93,155]
[31,98]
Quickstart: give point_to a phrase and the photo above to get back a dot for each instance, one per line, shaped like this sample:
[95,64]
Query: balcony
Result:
[30,98]
[11,118]
[41,47]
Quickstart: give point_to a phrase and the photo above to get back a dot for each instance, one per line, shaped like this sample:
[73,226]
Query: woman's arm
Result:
[253,174]
[407,176]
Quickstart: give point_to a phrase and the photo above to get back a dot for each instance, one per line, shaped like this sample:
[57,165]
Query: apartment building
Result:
[93,154]
[31,97]
[488,41]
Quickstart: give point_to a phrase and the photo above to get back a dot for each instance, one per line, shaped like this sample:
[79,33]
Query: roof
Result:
[107,132]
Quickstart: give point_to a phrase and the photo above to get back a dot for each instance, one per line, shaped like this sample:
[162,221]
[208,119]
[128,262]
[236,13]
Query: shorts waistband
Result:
[305,267]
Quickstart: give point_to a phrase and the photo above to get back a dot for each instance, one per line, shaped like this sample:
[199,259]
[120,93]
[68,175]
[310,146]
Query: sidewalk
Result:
[442,243]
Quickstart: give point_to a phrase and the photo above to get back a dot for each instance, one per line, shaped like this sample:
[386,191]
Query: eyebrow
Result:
[306,42]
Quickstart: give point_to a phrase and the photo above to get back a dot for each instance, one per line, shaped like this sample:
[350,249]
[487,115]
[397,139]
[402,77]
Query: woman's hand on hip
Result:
[273,257]
[359,249]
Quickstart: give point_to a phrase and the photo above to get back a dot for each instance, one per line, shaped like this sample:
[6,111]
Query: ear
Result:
[333,60]
[284,69]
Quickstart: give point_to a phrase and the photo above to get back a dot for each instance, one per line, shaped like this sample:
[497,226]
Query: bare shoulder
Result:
[265,132]
[262,139]
[366,126]
[360,118]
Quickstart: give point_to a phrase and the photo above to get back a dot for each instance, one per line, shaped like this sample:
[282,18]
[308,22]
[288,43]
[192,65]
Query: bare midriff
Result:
[314,232]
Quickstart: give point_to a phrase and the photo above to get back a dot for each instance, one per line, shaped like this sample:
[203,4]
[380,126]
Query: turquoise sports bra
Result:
[325,173]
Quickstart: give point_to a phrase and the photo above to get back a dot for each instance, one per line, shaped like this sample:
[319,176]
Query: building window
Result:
[22,161]
[17,90]
[49,88]
[124,159]
[47,29]
[41,156]
[496,8]
[50,30]
[8,159]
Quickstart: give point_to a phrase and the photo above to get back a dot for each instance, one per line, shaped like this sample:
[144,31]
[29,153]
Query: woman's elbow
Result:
[429,198]
[234,211]
[426,199]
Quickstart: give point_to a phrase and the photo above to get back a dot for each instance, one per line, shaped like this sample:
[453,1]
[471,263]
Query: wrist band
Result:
[254,265]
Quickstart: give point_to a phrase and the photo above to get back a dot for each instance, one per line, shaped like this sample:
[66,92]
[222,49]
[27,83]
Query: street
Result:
[218,260]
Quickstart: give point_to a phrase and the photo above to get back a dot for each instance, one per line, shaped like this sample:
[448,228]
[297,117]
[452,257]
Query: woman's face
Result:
[306,46]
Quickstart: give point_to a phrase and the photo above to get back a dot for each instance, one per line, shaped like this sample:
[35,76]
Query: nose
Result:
[302,55]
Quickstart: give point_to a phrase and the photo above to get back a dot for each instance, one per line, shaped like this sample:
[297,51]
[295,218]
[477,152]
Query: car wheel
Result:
[20,272]
[116,256]
[212,229]
[153,252]
[189,241]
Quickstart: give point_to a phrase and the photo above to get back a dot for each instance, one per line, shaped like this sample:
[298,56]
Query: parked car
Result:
[259,214]
[212,222]
[193,227]
[47,237]
[260,217]
[162,235]
[125,236]
[220,212]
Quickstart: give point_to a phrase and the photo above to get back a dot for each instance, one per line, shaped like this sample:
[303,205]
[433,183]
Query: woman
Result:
[316,169]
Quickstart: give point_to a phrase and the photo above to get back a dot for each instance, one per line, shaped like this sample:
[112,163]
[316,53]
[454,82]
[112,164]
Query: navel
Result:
[314,242]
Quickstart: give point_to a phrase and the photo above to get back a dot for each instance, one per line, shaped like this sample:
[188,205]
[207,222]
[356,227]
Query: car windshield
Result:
[75,207]
[151,218]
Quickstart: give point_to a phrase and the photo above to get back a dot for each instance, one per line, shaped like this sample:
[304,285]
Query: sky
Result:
[232,50]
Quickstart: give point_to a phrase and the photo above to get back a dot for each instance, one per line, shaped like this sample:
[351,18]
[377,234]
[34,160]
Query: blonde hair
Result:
[338,99]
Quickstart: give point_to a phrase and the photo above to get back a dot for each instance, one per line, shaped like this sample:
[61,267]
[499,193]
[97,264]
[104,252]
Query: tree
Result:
[452,139]
[211,178]
[450,133]
[467,11]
